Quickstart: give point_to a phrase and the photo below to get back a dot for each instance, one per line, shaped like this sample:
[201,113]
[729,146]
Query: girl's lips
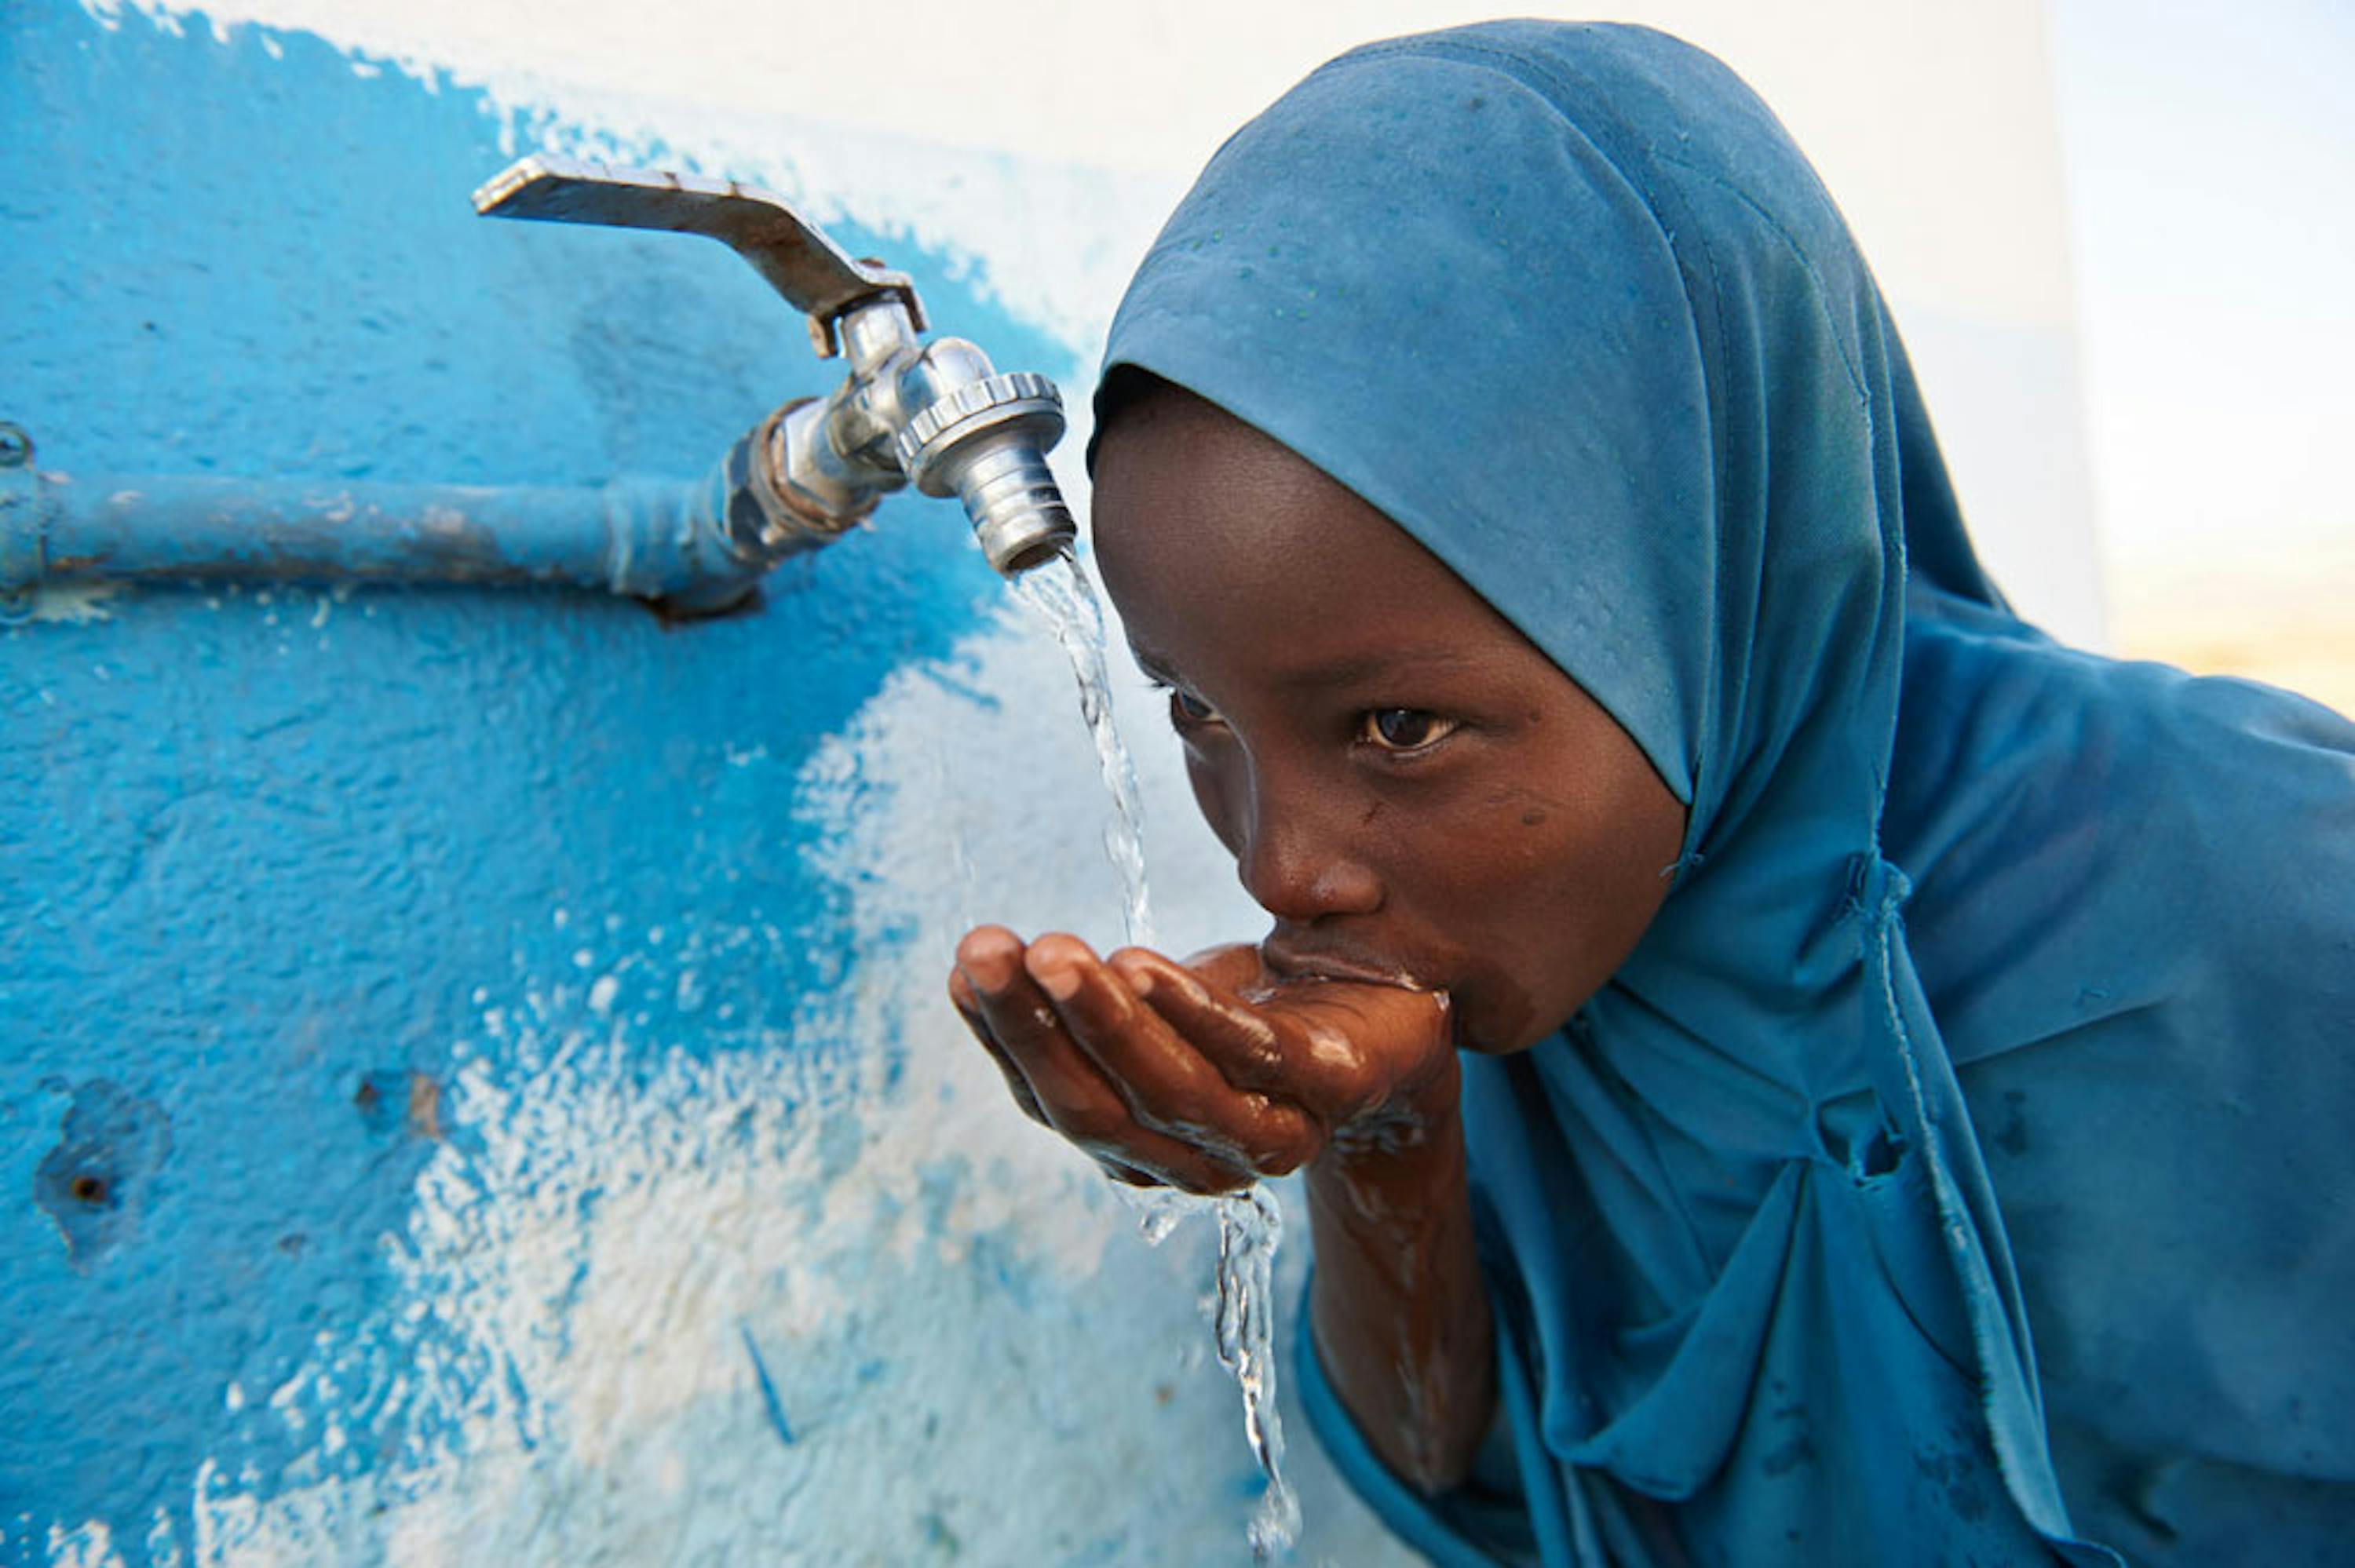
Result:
[1287,961]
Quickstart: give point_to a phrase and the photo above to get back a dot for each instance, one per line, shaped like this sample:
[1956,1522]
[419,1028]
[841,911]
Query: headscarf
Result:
[1565,303]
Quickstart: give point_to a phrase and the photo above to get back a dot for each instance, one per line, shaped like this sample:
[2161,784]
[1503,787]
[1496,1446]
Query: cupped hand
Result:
[1204,1075]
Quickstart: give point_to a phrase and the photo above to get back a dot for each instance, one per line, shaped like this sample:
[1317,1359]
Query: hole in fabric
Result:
[1856,1133]
[1879,1156]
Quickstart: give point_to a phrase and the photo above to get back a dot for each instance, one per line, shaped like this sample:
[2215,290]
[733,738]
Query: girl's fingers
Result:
[1332,1047]
[1235,1037]
[1168,1084]
[1171,1163]
[1162,1072]
[1071,1093]
[1232,967]
[968,1006]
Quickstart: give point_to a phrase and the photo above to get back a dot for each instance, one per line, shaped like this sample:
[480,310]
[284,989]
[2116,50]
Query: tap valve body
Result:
[937,414]
[987,444]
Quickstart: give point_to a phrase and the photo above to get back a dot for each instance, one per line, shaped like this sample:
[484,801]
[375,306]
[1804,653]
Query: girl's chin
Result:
[1494,1031]
[1476,1033]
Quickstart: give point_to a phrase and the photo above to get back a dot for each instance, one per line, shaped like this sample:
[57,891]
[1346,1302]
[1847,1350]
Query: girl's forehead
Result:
[1223,548]
[1196,489]
[1209,508]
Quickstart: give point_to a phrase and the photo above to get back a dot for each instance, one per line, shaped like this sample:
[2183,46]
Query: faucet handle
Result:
[816,276]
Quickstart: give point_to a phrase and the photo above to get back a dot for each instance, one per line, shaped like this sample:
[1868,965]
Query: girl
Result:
[1790,1065]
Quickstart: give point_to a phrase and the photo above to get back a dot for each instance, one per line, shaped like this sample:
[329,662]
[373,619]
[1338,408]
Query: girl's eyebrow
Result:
[1389,661]
[1151,665]
[1351,671]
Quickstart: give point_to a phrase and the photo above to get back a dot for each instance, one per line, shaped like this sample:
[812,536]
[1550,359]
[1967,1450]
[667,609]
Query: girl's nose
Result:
[1295,862]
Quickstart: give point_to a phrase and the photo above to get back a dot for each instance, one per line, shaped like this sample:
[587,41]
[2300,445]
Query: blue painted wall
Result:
[473,1085]
[261,850]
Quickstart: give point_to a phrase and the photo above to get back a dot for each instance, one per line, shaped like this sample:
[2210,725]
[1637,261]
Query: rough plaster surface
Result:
[474,1081]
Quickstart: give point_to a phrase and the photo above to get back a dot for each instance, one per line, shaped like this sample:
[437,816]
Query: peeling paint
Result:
[72,603]
[100,1177]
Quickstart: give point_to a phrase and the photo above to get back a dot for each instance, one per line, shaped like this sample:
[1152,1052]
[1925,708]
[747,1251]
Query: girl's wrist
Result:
[1393,1161]
[1415,1112]
[1397,1307]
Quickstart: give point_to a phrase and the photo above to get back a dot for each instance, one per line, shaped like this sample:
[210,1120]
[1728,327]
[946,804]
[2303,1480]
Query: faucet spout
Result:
[985,443]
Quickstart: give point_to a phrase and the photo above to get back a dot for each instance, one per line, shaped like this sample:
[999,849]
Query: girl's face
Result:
[1408,786]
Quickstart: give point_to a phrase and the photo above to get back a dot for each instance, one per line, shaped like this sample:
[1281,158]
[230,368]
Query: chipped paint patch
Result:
[74,603]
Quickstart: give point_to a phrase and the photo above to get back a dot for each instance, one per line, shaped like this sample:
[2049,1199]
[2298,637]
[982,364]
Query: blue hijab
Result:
[1958,1170]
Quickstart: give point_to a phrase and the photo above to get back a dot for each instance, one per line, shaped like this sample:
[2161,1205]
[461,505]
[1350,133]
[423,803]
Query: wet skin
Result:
[1457,845]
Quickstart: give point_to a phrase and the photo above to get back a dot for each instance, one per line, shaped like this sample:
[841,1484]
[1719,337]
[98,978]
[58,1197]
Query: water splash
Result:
[1250,1224]
[1249,1228]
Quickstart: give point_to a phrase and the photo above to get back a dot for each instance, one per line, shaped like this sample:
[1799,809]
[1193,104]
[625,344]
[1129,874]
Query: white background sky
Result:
[2210,151]
[2210,158]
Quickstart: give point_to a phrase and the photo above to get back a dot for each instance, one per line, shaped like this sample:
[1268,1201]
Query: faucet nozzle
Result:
[985,442]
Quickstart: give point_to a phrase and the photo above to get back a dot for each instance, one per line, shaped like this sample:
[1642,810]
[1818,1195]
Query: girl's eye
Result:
[1404,729]
[1186,709]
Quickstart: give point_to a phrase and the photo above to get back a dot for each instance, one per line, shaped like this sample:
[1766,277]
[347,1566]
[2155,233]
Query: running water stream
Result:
[1250,1224]
[1062,595]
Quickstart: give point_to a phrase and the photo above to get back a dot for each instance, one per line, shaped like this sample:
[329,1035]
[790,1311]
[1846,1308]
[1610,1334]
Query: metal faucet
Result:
[936,415]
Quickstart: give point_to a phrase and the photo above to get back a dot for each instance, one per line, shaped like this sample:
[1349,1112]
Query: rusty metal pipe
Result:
[661,540]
